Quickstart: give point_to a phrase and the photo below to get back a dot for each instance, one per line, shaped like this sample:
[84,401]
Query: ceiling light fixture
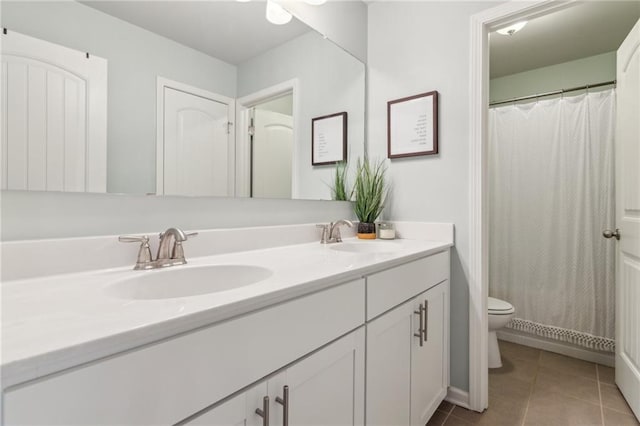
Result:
[315,2]
[276,14]
[512,29]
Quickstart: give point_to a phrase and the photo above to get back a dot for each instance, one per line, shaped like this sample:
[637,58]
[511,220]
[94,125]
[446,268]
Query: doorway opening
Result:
[266,149]
[271,151]
[482,25]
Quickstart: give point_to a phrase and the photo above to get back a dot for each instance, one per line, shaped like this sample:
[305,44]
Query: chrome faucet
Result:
[168,254]
[171,254]
[331,232]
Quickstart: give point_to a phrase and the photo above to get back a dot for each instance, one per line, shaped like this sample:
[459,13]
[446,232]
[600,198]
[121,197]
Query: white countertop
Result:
[53,323]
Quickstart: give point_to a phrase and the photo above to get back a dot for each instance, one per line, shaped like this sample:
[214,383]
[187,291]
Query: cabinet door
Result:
[429,363]
[390,339]
[237,411]
[327,388]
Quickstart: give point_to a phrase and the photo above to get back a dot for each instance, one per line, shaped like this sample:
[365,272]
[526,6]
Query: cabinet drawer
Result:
[391,287]
[168,381]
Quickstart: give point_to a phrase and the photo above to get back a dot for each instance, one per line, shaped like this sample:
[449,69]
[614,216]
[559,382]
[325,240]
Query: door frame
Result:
[481,24]
[243,110]
[161,84]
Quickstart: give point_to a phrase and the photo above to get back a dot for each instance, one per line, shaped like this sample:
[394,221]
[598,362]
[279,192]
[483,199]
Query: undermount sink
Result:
[184,281]
[367,247]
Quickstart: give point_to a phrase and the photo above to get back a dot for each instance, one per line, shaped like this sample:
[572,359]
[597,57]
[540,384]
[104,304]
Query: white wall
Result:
[330,81]
[594,69]
[283,105]
[135,58]
[344,22]
[417,47]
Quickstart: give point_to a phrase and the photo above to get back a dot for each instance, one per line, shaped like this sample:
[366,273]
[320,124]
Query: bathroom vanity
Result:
[295,347]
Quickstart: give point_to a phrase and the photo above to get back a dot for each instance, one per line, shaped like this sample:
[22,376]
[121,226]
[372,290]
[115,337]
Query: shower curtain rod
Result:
[555,92]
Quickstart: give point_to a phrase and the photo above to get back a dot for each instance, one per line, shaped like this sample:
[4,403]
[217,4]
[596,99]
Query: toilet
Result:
[500,313]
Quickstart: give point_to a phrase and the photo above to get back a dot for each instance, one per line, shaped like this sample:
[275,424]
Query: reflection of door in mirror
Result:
[54,117]
[272,150]
[195,141]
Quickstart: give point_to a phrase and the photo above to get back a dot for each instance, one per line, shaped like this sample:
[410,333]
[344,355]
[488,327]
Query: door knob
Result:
[608,233]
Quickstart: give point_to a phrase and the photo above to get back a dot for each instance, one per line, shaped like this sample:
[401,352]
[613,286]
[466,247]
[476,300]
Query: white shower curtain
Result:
[551,195]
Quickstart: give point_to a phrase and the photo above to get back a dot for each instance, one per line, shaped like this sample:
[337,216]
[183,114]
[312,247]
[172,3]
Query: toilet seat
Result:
[499,307]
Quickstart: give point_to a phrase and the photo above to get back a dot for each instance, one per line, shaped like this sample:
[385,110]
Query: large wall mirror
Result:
[202,98]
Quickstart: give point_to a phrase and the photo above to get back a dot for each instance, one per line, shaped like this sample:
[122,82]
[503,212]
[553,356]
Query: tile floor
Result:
[536,387]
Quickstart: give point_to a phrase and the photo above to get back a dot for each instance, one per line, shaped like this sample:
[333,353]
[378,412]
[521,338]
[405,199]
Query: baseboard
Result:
[458,397]
[604,358]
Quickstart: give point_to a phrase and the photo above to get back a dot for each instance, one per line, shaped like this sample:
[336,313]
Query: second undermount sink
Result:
[184,281]
[368,247]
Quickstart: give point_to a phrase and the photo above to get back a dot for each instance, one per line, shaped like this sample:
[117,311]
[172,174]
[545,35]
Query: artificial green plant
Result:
[370,189]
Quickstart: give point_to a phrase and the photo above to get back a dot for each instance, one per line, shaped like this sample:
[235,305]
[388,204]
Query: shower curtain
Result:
[551,194]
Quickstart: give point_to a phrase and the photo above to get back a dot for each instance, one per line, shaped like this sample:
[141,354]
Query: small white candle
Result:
[387,234]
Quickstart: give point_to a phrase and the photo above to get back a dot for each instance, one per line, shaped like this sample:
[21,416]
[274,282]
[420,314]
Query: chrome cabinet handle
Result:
[264,412]
[420,333]
[284,401]
[426,320]
[608,233]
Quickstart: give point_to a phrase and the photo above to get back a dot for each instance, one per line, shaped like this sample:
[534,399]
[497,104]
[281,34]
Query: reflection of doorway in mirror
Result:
[195,142]
[269,170]
[54,117]
[272,149]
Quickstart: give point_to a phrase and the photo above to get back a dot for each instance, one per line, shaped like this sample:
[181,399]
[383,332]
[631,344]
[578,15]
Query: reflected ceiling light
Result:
[315,2]
[243,1]
[276,14]
[512,29]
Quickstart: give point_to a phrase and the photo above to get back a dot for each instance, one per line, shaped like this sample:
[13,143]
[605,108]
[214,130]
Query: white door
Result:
[390,339]
[54,116]
[429,377]
[628,219]
[272,154]
[327,388]
[238,411]
[195,143]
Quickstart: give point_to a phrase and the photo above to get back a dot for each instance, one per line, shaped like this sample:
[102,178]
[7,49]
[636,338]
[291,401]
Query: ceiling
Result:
[586,29]
[228,30]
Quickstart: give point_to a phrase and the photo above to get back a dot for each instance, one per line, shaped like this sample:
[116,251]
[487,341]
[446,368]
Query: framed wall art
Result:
[412,126]
[329,139]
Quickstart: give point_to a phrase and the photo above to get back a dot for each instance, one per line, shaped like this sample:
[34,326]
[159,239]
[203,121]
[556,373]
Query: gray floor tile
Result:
[552,408]
[565,364]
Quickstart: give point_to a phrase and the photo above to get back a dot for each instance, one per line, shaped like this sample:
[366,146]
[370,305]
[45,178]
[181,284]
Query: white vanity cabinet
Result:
[374,348]
[408,345]
[325,388]
[167,382]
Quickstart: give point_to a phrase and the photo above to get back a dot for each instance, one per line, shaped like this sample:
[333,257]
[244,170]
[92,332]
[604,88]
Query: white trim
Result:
[478,274]
[161,83]
[458,397]
[243,107]
[573,351]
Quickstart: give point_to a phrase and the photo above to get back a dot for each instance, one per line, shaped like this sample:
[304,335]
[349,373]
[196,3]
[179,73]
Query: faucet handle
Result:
[336,235]
[133,239]
[144,253]
[178,251]
[325,232]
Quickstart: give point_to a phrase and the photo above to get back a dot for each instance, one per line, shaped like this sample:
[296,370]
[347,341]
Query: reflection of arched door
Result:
[271,155]
[54,117]
[195,144]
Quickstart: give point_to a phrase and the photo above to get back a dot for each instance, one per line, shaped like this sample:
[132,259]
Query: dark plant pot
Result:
[366,231]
